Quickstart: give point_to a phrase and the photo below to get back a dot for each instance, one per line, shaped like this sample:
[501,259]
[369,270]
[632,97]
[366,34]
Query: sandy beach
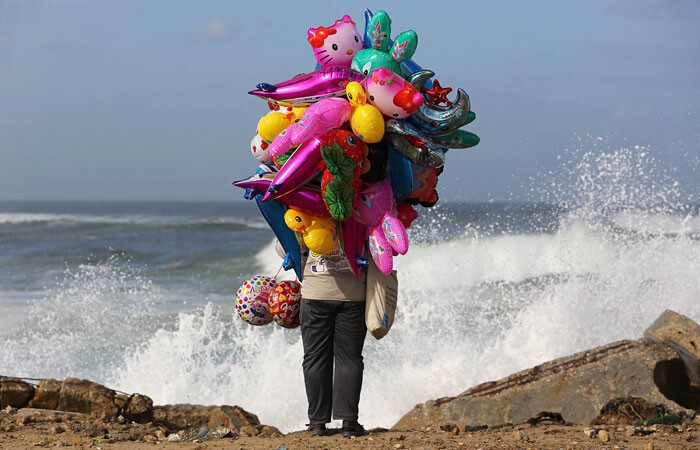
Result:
[30,428]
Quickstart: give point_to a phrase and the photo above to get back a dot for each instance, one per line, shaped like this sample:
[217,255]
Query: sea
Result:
[139,296]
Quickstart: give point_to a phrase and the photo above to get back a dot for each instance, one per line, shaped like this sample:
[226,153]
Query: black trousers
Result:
[333,331]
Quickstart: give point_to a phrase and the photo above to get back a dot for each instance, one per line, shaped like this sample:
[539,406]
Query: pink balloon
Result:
[307,89]
[353,242]
[386,232]
[337,44]
[305,164]
[320,117]
[305,199]
[391,94]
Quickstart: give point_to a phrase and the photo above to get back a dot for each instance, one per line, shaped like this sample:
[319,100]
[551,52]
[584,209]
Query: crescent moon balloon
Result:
[437,120]
[414,144]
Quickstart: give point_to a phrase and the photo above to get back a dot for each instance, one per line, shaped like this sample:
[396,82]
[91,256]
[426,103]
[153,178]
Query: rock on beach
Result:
[663,368]
[641,392]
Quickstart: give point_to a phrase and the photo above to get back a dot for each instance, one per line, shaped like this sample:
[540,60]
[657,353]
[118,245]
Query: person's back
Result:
[333,332]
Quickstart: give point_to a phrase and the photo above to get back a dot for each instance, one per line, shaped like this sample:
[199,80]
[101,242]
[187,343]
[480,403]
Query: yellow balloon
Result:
[274,122]
[298,112]
[356,95]
[319,233]
[366,121]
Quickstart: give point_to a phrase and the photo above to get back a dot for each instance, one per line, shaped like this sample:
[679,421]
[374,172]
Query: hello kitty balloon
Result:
[391,94]
[337,44]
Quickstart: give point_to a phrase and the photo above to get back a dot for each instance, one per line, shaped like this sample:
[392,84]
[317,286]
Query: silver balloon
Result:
[428,155]
[437,120]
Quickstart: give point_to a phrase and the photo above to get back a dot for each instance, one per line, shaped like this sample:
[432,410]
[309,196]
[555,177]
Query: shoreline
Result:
[27,428]
[634,394]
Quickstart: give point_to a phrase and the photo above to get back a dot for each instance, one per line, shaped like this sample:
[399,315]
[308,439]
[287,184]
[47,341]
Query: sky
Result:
[107,100]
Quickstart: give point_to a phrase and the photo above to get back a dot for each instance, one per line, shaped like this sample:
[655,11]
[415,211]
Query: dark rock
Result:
[546,417]
[139,408]
[629,411]
[678,379]
[15,392]
[46,395]
[683,335]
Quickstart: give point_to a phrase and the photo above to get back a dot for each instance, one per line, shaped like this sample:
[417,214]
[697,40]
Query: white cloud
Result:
[216,29]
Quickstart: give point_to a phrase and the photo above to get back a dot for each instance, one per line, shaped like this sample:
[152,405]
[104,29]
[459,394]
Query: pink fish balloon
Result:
[326,115]
[386,232]
[306,89]
[353,233]
[306,199]
[305,164]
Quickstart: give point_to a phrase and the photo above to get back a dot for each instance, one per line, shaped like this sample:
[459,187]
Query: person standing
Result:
[333,334]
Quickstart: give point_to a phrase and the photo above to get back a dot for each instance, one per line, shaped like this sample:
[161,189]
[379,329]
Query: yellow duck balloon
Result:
[367,122]
[274,122]
[319,233]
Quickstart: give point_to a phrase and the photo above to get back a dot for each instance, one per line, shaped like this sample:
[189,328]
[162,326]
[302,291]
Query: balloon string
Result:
[278,272]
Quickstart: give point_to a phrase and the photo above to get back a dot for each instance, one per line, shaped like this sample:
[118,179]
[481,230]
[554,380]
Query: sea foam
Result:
[474,305]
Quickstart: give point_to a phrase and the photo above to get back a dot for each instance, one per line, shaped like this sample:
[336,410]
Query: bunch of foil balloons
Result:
[349,150]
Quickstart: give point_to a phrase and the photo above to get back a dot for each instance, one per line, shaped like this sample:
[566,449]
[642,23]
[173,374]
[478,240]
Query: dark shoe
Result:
[318,429]
[352,428]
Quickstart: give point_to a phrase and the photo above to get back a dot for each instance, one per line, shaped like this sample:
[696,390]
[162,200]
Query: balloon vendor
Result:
[346,153]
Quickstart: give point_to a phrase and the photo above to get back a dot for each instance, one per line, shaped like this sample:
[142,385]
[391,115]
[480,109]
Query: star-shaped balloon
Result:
[438,94]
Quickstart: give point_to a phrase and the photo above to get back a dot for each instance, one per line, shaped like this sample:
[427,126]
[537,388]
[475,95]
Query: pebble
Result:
[248,431]
[150,438]
[590,432]
[520,435]
[121,420]
[174,438]
[24,420]
[649,447]
[97,431]
[268,430]
[44,442]
[56,429]
[160,434]
[604,436]
[397,446]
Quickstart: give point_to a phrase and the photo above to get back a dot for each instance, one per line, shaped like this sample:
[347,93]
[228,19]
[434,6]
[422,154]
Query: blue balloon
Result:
[401,172]
[273,212]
